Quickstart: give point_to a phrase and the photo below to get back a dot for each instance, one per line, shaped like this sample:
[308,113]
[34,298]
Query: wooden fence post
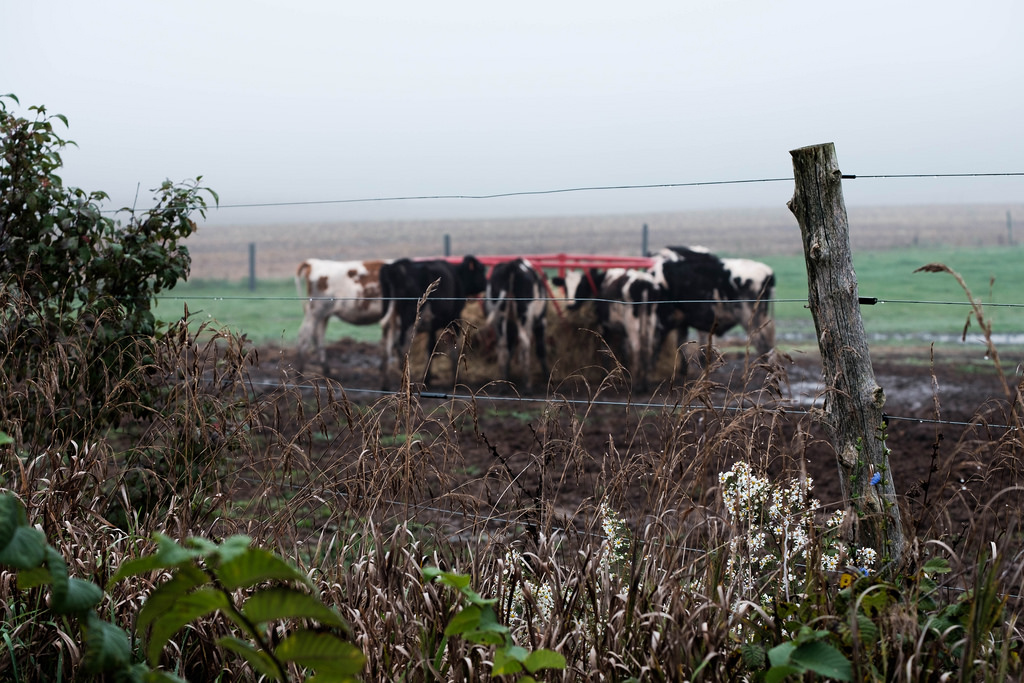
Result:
[852,412]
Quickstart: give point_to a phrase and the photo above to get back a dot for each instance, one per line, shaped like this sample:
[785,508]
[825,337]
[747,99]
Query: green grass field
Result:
[271,314]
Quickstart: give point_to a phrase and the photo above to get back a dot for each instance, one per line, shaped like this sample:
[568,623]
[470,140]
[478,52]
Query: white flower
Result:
[866,557]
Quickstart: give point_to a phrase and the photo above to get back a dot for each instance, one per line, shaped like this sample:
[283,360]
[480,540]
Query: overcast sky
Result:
[336,100]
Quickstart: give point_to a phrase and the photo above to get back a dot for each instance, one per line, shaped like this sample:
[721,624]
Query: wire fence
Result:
[595,188]
[639,405]
[873,300]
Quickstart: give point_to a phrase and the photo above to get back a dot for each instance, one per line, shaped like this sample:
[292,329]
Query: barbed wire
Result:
[581,188]
[788,408]
[339,299]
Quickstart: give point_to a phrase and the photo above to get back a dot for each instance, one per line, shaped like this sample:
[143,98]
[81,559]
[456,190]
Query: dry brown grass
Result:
[363,494]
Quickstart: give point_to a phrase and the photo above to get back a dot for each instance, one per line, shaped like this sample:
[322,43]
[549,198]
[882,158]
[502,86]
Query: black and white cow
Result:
[712,295]
[403,284]
[625,301]
[516,308]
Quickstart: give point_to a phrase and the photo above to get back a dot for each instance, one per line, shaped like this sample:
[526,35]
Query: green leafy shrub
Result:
[76,286]
[205,578]
[478,623]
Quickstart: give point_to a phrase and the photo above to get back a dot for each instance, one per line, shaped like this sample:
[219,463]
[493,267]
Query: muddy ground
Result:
[945,430]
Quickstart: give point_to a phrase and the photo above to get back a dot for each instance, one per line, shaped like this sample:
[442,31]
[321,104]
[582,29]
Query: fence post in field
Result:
[252,266]
[852,412]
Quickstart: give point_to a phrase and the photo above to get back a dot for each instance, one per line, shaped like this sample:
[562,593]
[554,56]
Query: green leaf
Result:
[168,556]
[107,647]
[506,663]
[233,547]
[465,621]
[12,514]
[26,549]
[753,655]
[186,609]
[289,603]
[202,546]
[514,652]
[6,439]
[331,677]
[323,652]
[258,659]
[478,625]
[780,654]
[58,577]
[168,593]
[867,628]
[33,578]
[936,565]
[778,673]
[159,676]
[544,659]
[824,660]
[81,596]
[254,566]
[456,581]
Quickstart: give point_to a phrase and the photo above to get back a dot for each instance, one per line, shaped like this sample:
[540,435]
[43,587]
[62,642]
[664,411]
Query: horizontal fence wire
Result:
[582,188]
[868,301]
[636,404]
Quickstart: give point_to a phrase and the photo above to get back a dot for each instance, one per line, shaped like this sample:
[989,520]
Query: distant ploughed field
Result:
[222,251]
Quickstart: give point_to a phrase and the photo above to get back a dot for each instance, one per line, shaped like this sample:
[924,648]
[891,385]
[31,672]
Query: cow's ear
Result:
[558,281]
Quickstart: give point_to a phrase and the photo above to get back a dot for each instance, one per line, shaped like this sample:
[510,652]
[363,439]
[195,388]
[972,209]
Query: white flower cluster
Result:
[541,593]
[610,550]
[614,542]
[776,524]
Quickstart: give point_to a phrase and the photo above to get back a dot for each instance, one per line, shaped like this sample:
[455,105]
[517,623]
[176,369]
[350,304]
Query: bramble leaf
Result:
[323,652]
[288,603]
[254,566]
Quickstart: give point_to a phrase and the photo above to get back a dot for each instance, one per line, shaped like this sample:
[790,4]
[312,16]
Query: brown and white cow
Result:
[349,290]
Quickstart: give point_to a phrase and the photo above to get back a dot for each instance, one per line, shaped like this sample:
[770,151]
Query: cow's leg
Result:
[634,353]
[307,334]
[646,340]
[683,360]
[395,332]
[319,336]
[504,355]
[431,344]
[523,352]
[761,329]
[540,343]
[387,349]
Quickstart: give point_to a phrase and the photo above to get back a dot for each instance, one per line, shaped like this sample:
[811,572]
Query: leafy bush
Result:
[77,286]
[205,578]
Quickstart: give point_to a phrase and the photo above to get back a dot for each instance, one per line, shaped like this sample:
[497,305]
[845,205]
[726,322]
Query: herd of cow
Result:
[684,288]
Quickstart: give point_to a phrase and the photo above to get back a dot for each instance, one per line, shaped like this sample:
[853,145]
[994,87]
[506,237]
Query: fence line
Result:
[583,188]
[871,302]
[469,398]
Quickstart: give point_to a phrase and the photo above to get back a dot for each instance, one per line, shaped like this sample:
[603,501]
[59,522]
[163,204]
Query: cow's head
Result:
[473,275]
[580,286]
